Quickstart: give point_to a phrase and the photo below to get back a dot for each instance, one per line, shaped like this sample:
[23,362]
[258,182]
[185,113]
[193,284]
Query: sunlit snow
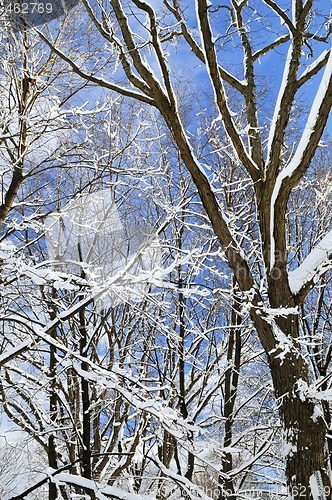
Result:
[88,238]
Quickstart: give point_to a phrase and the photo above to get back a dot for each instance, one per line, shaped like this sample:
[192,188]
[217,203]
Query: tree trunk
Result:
[86,423]
[53,405]
[304,433]
[52,455]
[226,483]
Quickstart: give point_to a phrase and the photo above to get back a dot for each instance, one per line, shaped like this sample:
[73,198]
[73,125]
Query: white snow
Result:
[316,413]
[288,449]
[314,64]
[320,395]
[187,485]
[281,311]
[7,249]
[277,105]
[102,491]
[294,12]
[12,352]
[316,261]
[302,390]
[317,486]
[282,342]
[289,438]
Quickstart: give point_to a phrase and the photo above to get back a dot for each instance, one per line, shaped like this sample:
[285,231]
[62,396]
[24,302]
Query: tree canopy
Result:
[166,249]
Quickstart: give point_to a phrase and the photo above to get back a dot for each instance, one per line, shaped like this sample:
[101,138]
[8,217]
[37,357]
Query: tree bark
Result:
[304,433]
[227,489]
[52,455]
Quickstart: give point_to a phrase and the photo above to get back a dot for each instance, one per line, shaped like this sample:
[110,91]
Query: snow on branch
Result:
[309,128]
[15,351]
[191,489]
[101,490]
[313,265]
[304,145]
[138,395]
[281,93]
[313,66]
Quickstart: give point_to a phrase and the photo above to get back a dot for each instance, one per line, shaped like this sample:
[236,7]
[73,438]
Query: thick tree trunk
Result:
[304,432]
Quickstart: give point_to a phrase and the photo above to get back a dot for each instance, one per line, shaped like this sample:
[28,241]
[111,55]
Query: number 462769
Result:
[29,8]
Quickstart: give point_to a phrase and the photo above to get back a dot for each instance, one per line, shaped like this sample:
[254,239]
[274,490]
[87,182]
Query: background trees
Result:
[147,393]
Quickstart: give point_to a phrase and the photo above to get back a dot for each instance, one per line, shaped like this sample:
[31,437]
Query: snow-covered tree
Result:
[152,354]
[228,50]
